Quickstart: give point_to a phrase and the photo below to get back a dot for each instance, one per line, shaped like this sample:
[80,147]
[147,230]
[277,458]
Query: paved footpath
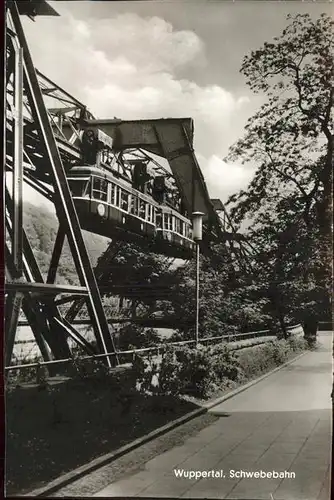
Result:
[283,423]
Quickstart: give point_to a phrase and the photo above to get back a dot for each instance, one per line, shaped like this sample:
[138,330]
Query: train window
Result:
[158,219]
[77,187]
[112,191]
[86,191]
[149,213]
[142,206]
[134,205]
[177,228]
[117,196]
[182,228]
[171,222]
[125,199]
[100,189]
[168,223]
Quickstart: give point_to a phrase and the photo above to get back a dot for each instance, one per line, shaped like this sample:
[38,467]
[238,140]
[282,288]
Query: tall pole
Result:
[197,295]
[18,163]
[197,236]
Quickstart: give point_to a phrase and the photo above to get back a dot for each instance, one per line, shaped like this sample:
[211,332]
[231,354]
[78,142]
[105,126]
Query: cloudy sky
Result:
[168,58]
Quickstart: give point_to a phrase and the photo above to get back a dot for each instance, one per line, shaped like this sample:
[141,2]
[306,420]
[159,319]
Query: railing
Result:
[157,349]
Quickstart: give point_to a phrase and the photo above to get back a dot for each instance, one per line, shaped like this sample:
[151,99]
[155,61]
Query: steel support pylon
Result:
[26,112]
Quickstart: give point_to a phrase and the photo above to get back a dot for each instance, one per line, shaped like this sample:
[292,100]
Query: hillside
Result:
[41,226]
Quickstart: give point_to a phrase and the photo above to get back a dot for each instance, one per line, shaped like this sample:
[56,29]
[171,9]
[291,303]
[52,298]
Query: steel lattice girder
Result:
[62,198]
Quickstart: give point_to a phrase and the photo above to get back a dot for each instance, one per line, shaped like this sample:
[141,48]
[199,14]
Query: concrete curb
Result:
[95,464]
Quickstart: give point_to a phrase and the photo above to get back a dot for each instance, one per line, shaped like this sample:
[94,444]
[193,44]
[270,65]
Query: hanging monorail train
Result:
[111,207]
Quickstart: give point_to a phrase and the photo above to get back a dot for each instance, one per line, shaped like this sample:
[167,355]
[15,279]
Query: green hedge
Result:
[268,356]
[202,371]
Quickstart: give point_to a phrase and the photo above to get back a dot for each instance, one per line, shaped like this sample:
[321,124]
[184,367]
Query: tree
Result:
[132,336]
[290,139]
[288,266]
[229,303]
[136,275]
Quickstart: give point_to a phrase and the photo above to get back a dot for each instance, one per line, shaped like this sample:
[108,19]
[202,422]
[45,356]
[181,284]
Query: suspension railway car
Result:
[110,206]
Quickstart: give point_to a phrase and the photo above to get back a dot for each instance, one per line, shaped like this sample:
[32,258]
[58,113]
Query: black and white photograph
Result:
[168,245]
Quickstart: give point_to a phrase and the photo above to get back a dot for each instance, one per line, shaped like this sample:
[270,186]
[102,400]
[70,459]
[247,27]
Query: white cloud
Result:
[151,42]
[128,66]
[222,178]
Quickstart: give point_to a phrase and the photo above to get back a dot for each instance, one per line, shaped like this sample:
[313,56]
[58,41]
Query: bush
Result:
[197,370]
[201,371]
[35,375]
[142,373]
[133,336]
[276,352]
[297,344]
[189,371]
[170,373]
[265,357]
[225,361]
[90,369]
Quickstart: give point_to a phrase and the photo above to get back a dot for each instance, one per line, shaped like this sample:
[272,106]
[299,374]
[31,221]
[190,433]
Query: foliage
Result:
[92,369]
[228,301]
[183,370]
[290,140]
[132,336]
[169,373]
[225,363]
[276,351]
[203,371]
[142,373]
[290,267]
[35,375]
[297,343]
[294,127]
[137,275]
[260,359]
[197,370]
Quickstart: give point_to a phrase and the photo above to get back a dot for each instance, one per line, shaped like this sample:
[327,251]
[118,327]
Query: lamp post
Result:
[197,218]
